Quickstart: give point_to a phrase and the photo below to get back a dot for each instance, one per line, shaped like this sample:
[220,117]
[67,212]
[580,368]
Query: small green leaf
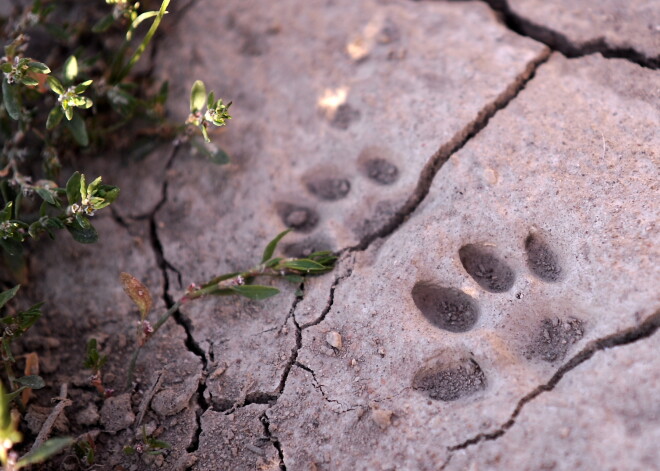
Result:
[7,295]
[255,291]
[210,100]
[83,221]
[205,133]
[54,117]
[294,278]
[110,193]
[68,112]
[81,87]
[11,99]
[73,188]
[71,69]
[5,214]
[49,448]
[158,444]
[46,195]
[197,96]
[6,67]
[78,129]
[272,245]
[86,235]
[272,262]
[39,67]
[29,81]
[83,186]
[303,264]
[139,293]
[55,85]
[93,360]
[31,381]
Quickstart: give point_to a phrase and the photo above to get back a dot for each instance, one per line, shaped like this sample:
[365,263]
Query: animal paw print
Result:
[451,375]
[329,186]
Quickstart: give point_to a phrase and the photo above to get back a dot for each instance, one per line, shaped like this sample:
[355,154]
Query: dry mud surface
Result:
[493,196]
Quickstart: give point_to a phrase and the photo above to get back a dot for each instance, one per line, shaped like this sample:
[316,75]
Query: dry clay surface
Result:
[632,25]
[430,345]
[333,128]
[536,239]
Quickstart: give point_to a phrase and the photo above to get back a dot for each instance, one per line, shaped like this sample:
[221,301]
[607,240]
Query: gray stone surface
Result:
[618,24]
[561,188]
[328,99]
[603,415]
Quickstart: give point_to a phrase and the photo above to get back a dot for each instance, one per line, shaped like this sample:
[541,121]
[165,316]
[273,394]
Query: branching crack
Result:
[625,337]
[448,149]
[319,387]
[190,342]
[561,43]
[260,397]
[331,299]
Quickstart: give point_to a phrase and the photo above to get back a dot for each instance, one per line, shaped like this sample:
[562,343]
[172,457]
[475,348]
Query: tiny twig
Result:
[50,421]
[147,398]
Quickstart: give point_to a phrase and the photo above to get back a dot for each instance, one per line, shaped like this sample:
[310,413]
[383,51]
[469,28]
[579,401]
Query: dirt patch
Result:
[553,339]
[451,382]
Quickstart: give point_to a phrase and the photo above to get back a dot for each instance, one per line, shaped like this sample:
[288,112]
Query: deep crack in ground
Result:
[422,189]
[190,342]
[444,153]
[618,339]
[559,42]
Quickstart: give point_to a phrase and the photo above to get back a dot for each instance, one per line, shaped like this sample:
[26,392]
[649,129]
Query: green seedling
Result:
[14,326]
[229,284]
[148,445]
[10,435]
[205,111]
[95,361]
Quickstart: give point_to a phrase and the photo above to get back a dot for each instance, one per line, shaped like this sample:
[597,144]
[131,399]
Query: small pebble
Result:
[382,417]
[334,339]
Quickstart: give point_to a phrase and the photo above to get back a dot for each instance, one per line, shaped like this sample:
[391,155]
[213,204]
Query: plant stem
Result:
[157,325]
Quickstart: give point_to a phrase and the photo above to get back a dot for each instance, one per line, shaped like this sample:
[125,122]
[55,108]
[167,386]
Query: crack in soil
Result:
[319,386]
[276,443]
[443,154]
[427,175]
[190,342]
[331,299]
[260,397]
[622,338]
[559,42]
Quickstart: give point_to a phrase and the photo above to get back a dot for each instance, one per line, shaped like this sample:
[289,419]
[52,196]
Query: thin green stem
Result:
[145,42]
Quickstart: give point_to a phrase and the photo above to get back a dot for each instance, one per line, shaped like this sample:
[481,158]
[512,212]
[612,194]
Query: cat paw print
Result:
[330,185]
[452,375]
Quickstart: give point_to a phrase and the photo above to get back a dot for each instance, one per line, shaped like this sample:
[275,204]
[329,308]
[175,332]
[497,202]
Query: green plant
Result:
[229,284]
[95,361]
[10,435]
[148,445]
[14,326]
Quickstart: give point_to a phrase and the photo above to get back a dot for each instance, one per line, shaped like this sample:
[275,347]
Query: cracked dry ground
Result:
[488,173]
